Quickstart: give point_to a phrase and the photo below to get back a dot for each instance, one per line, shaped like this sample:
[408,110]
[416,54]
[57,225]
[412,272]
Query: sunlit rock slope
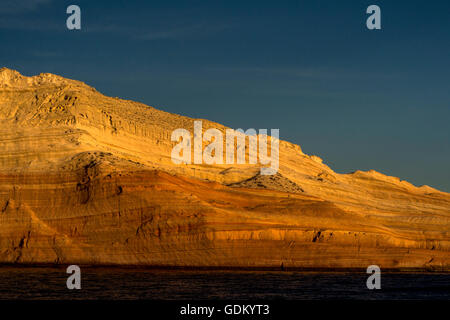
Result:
[88,179]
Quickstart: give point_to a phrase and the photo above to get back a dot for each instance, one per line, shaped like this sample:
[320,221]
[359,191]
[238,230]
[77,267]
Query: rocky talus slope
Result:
[88,179]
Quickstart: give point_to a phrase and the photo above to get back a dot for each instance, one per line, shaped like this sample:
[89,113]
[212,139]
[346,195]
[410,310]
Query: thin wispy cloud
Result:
[200,29]
[138,33]
[20,6]
[171,33]
[299,72]
[23,15]
[158,32]
[13,13]
[31,25]
[47,54]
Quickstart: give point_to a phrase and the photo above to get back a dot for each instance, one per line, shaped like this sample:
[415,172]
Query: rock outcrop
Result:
[88,179]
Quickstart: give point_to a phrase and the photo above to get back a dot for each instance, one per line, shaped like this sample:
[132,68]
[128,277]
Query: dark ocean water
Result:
[117,283]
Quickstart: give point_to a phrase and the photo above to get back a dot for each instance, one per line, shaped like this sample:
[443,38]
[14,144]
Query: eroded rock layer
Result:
[88,179]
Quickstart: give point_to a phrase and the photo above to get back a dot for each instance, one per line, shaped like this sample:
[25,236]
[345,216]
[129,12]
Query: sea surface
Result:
[117,283]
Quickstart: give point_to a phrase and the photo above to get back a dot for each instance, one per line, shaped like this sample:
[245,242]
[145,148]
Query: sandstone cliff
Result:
[88,179]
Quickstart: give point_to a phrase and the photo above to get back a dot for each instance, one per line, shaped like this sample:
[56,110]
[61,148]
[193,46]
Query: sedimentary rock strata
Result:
[88,179]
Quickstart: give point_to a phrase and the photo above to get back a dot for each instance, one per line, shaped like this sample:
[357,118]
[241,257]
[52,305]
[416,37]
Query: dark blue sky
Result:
[360,99]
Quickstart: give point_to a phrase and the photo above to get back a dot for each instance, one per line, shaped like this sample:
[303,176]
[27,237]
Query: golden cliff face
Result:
[88,179]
